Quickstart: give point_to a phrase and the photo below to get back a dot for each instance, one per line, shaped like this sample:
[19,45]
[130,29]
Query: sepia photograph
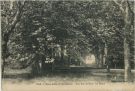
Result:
[67,45]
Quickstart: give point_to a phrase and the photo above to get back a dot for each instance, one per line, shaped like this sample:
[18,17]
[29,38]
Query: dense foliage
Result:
[66,30]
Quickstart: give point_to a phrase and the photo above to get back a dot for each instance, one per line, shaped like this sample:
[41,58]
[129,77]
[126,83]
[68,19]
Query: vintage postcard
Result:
[67,45]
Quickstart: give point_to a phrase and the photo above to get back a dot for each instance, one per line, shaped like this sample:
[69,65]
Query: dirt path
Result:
[69,86]
[79,78]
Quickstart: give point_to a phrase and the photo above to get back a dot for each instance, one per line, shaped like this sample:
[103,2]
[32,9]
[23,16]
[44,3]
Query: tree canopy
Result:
[79,27]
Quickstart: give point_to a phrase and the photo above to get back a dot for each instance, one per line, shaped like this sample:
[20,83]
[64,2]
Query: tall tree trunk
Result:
[126,61]
[97,56]
[128,21]
[105,58]
[97,59]
[100,57]
[4,52]
[101,60]
[128,16]
[3,66]
[62,52]
[104,54]
[127,30]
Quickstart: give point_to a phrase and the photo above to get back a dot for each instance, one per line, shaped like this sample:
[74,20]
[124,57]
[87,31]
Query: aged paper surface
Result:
[67,45]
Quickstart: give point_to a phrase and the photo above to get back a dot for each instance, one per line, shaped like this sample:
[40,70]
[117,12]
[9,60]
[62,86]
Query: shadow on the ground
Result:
[68,74]
[97,75]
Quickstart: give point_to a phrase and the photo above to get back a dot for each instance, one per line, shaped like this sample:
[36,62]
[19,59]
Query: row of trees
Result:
[35,30]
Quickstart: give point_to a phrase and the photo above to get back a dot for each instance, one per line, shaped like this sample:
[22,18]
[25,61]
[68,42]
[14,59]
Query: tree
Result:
[128,16]
[10,25]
